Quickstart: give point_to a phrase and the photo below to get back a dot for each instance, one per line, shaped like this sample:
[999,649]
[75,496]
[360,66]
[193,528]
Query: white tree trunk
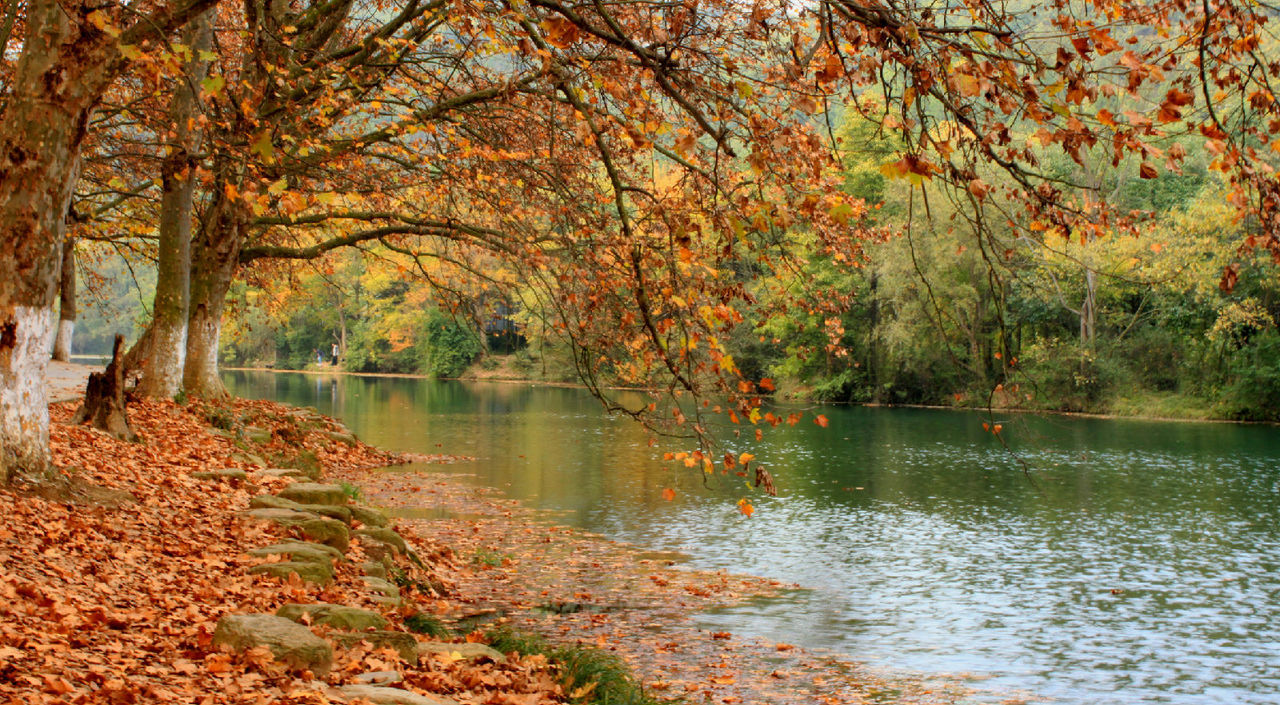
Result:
[24,404]
[166,360]
[62,343]
[201,370]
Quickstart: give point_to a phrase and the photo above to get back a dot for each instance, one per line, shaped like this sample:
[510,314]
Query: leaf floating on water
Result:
[744,506]
[668,494]
[821,420]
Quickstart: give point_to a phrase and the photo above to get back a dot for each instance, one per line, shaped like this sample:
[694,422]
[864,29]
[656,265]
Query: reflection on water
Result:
[1137,562]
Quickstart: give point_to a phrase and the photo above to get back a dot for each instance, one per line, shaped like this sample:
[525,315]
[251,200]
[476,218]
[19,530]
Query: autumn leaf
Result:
[668,494]
[821,420]
[744,506]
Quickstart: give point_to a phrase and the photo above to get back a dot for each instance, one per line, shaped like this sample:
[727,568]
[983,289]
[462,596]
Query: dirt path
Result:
[65,380]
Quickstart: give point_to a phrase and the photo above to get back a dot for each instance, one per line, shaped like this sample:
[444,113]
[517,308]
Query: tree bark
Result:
[103,406]
[57,82]
[214,257]
[67,303]
[165,351]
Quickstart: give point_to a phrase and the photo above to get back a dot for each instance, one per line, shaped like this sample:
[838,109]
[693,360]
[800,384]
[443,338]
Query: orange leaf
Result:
[821,420]
[668,494]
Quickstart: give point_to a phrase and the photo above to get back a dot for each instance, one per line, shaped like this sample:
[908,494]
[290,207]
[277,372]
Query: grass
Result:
[1166,405]
[422,623]
[588,675]
[487,557]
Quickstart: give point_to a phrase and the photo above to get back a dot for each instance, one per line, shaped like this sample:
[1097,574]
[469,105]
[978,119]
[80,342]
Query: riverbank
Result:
[139,572]
[117,571]
[1153,407]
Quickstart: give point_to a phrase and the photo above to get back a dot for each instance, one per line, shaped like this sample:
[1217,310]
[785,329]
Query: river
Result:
[1133,562]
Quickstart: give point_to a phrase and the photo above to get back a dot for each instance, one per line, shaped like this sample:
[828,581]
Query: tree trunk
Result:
[67,303]
[873,342]
[214,257]
[103,406]
[164,356]
[61,74]
[1088,309]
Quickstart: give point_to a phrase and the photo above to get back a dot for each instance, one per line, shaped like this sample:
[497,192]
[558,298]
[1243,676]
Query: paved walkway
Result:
[65,381]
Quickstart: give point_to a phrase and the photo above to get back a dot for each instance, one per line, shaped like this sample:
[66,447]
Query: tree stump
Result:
[103,406]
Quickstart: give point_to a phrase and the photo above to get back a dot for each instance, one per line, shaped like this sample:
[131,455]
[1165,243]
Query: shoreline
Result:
[582,587]
[168,583]
[811,404]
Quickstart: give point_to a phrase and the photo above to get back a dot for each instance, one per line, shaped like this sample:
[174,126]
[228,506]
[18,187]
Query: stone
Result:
[402,643]
[386,536]
[310,571]
[311,526]
[281,472]
[333,511]
[290,643]
[257,434]
[340,437]
[270,501]
[393,603]
[379,695]
[382,587]
[374,569]
[467,651]
[342,617]
[378,678]
[224,475]
[314,493]
[300,551]
[368,516]
[249,458]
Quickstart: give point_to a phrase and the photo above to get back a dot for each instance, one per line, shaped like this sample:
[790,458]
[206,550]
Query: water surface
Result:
[1135,562]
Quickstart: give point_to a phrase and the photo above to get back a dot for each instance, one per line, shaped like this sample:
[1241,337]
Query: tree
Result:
[70,55]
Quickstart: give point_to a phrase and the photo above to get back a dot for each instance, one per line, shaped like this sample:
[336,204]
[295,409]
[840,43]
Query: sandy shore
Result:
[65,380]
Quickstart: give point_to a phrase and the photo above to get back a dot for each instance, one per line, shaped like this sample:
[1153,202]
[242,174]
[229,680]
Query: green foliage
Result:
[1253,393]
[588,675]
[1067,376]
[351,491]
[451,346]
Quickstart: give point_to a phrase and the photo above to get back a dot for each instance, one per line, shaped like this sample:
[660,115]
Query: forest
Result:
[934,313]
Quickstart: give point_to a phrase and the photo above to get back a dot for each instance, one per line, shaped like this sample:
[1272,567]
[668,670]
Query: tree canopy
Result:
[633,169]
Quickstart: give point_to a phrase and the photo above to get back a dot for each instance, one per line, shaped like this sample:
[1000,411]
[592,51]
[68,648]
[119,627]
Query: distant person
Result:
[319,357]
[335,354]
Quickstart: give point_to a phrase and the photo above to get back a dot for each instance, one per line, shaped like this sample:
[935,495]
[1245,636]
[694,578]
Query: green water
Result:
[1136,563]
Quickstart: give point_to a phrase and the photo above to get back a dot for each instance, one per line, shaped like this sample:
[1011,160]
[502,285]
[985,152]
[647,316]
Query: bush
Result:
[452,347]
[1066,375]
[1253,390]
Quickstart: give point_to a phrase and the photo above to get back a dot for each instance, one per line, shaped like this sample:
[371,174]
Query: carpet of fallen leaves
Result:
[577,587]
[114,572]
